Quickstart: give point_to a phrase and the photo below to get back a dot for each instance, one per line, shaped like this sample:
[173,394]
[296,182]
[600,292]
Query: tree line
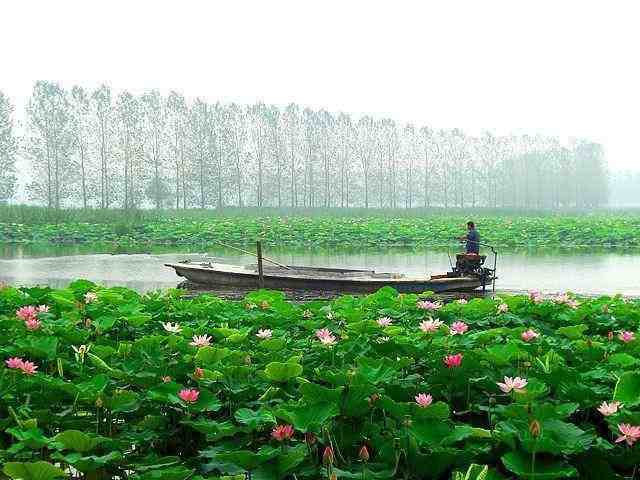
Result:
[105,149]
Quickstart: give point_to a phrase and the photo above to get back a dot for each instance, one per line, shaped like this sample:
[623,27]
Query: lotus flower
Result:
[626,336]
[198,372]
[328,340]
[458,328]
[264,334]
[503,308]
[90,297]
[565,299]
[535,296]
[14,362]
[326,337]
[32,324]
[172,327]
[424,400]
[282,432]
[251,306]
[509,384]
[427,305]
[453,361]
[630,433]
[201,341]
[384,321]
[189,395]
[462,301]
[430,326]
[28,368]
[364,454]
[27,313]
[330,315]
[607,409]
[307,314]
[529,335]
[166,379]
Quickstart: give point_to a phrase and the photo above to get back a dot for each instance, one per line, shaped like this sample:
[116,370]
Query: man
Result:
[472,238]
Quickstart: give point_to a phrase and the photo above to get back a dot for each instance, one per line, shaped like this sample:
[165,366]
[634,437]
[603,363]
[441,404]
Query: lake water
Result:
[549,271]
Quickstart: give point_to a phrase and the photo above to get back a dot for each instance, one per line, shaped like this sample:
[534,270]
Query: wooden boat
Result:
[330,279]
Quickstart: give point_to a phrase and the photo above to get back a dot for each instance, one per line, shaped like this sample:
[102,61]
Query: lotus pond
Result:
[103,383]
[364,229]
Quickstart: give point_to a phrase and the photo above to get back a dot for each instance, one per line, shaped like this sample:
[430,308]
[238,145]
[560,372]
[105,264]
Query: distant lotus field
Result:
[101,383]
[577,231]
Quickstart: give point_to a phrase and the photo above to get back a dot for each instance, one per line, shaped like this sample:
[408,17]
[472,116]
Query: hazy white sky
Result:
[568,68]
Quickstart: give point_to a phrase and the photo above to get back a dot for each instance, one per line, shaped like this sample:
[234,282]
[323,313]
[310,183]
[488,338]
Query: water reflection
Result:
[142,268]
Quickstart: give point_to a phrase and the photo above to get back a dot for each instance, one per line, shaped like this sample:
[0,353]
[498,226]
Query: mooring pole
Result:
[260,272]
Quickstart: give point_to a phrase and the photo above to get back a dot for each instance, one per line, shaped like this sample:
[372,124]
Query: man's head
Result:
[471,225]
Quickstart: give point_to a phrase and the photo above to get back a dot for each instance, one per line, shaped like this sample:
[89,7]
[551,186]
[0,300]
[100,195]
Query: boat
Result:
[467,275]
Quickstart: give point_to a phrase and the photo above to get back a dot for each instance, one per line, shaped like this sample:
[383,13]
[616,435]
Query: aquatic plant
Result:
[103,389]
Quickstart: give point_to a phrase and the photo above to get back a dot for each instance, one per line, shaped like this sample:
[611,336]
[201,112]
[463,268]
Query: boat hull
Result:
[230,276]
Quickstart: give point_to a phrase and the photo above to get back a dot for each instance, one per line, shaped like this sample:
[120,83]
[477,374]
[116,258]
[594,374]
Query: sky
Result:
[566,68]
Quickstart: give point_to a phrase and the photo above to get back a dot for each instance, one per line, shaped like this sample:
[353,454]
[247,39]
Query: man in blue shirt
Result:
[472,238]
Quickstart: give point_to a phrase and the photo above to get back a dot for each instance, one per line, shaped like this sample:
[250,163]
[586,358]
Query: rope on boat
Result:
[266,259]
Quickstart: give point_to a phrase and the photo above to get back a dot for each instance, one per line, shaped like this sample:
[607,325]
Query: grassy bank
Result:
[105,383]
[352,228]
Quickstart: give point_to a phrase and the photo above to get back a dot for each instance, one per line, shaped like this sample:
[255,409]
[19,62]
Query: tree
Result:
[8,150]
[49,144]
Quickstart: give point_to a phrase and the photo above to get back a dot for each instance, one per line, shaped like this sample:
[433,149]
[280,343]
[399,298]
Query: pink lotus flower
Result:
[565,299]
[28,368]
[430,326]
[32,324]
[189,395]
[424,400]
[282,432]
[201,341]
[90,297]
[509,384]
[626,336]
[14,362]
[453,361]
[462,301]
[607,409]
[535,296]
[384,321]
[529,335]
[503,308]
[27,313]
[264,333]
[630,433]
[427,305]
[326,337]
[458,328]
[328,340]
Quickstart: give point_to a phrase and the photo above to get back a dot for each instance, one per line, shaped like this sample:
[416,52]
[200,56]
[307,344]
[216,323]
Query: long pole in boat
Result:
[260,272]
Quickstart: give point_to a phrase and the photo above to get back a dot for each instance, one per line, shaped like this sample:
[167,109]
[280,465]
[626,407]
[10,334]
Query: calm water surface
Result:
[580,272]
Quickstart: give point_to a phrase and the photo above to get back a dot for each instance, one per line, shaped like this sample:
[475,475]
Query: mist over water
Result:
[552,272]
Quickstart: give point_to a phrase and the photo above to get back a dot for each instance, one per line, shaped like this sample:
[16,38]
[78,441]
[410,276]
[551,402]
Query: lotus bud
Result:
[407,421]
[87,322]
[333,476]
[327,456]
[364,454]
[534,429]
[373,399]
[310,438]
[99,402]
[264,305]
[247,360]
[610,336]
[198,373]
